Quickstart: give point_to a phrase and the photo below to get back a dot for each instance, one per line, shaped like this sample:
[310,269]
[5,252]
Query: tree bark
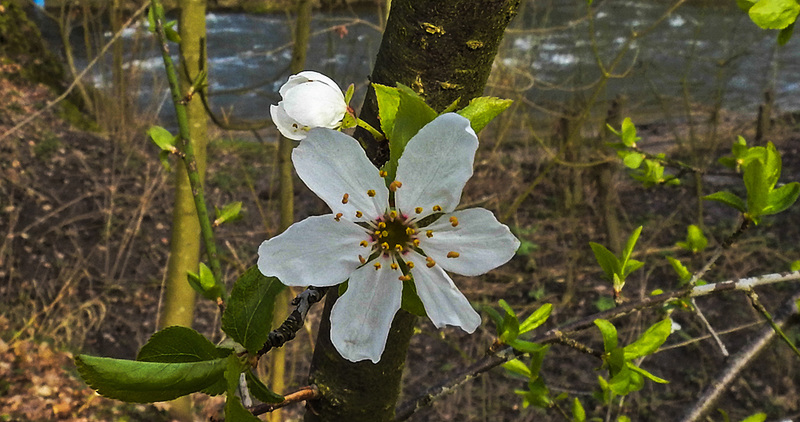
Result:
[180,298]
[444,51]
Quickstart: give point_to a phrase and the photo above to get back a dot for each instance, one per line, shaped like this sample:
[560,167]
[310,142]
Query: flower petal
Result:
[482,243]
[362,317]
[318,251]
[288,127]
[315,104]
[333,164]
[435,165]
[307,76]
[444,303]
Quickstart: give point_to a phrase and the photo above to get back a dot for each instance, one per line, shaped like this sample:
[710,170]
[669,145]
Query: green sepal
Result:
[259,390]
[482,110]
[147,382]
[728,199]
[248,314]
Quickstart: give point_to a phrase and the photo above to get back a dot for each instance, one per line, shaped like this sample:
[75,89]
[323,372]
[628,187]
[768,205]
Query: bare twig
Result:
[310,392]
[279,336]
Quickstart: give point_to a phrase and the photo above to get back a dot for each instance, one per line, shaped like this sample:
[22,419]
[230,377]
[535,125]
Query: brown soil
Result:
[85,225]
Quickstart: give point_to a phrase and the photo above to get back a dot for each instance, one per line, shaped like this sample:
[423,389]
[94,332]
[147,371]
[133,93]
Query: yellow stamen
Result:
[358,214]
[437,208]
[398,248]
[338,216]
[384,233]
[415,242]
[381,225]
[410,231]
[452,254]
[395,185]
[383,173]
[392,214]
[370,193]
[385,246]
[430,262]
[364,243]
[454,221]
[345,198]
[361,258]
[410,264]
[404,278]
[418,210]
[429,233]
[377,265]
[394,266]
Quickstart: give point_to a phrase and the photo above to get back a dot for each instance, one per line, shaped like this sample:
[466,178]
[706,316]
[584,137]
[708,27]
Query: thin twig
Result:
[310,392]
[303,302]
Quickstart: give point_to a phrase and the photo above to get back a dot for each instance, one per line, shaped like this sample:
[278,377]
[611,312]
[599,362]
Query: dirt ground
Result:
[85,226]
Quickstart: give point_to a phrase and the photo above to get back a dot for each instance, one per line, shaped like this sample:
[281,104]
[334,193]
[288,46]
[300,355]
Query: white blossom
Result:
[377,237]
[309,100]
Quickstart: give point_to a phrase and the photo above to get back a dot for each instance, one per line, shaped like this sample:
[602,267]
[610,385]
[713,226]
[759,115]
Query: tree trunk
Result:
[444,51]
[179,298]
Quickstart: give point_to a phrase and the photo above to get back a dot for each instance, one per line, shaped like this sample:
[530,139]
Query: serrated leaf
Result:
[782,198]
[248,314]
[537,318]
[728,199]
[412,115]
[609,333]
[259,390]
[650,340]
[147,382]
[482,110]
[607,260]
[388,101]
[774,14]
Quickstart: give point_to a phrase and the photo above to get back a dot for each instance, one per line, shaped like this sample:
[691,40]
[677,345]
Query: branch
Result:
[286,332]
[739,362]
[310,392]
[405,410]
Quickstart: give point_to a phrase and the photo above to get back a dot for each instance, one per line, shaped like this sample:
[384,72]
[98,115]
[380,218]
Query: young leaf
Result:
[683,273]
[537,318]
[609,333]
[774,14]
[757,417]
[205,284]
[632,160]
[608,262]
[162,138]
[146,382]
[229,212]
[259,390]
[755,181]
[525,346]
[629,133]
[481,110]
[625,381]
[412,115]
[628,251]
[248,316]
[782,198]
[388,102]
[578,413]
[650,340]
[696,241]
[785,34]
[517,367]
[646,374]
[728,199]
[179,344]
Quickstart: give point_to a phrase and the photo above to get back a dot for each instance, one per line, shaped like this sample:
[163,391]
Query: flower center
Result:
[394,233]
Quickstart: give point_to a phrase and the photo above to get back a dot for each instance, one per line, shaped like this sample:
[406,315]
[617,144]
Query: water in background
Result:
[711,52]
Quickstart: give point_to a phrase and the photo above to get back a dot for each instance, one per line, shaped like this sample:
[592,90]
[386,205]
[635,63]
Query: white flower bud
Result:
[309,100]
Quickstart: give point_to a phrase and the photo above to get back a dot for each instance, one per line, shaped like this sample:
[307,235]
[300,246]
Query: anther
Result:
[345,198]
[358,214]
[377,265]
[429,233]
[410,231]
[418,210]
[430,262]
[398,248]
[394,265]
[385,246]
[362,260]
[392,215]
[364,243]
[383,173]
[384,233]
[370,193]
[381,225]
[415,242]
[404,278]
[338,216]
[410,264]
[395,185]
[454,221]
[437,208]
[452,254]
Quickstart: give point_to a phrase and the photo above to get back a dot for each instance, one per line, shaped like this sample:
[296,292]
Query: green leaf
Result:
[578,413]
[234,410]
[229,212]
[628,251]
[179,344]
[745,5]
[510,323]
[348,95]
[388,102]
[626,381]
[728,199]
[795,266]
[609,333]
[757,417]
[646,374]
[206,284]
[525,346]
[537,318]
[608,262]
[629,133]
[785,34]
[482,110]
[782,198]
[755,181]
[696,241]
[172,34]
[146,382]
[248,314]
[632,160]
[494,315]
[650,340]
[259,390]
[774,14]
[517,367]
[412,115]
[162,138]
[683,273]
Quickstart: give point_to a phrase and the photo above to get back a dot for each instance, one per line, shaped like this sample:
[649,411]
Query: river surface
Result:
[707,54]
